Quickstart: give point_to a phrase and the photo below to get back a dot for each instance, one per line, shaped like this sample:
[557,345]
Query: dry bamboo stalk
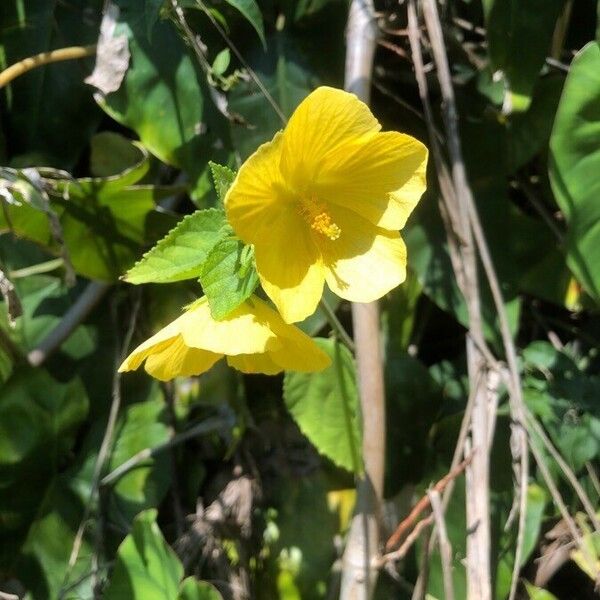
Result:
[359,571]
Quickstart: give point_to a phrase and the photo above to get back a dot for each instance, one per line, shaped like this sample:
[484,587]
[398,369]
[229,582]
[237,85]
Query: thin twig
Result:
[14,308]
[208,426]
[424,503]
[82,307]
[445,547]
[104,448]
[261,86]
[593,476]
[566,469]
[411,538]
[45,58]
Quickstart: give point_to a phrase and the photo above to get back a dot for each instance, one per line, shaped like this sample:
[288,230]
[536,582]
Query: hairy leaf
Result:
[182,252]
[228,276]
[325,406]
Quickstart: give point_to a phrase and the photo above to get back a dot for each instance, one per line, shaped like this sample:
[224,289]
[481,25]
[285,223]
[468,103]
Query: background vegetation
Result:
[246,481]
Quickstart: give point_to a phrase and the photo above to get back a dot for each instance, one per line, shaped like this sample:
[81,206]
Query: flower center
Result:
[316,215]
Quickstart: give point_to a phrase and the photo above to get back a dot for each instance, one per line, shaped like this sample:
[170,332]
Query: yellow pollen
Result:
[319,219]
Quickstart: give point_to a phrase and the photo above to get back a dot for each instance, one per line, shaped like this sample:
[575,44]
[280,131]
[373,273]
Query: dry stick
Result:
[362,547]
[445,547]
[517,405]
[92,294]
[45,58]
[569,474]
[407,544]
[425,503]
[479,540]
[558,500]
[104,449]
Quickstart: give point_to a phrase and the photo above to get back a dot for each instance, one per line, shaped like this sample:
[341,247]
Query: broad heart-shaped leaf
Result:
[49,113]
[325,406]
[223,177]
[164,96]
[192,589]
[575,164]
[250,10]
[182,252]
[228,276]
[146,567]
[519,34]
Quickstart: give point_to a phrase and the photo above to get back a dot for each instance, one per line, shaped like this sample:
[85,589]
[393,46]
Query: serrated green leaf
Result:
[182,252]
[223,177]
[146,567]
[228,276]
[250,10]
[325,406]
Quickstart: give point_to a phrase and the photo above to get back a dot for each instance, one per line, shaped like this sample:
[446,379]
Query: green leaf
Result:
[250,10]
[103,219]
[146,567]
[223,177]
[538,593]
[112,154]
[519,34]
[325,406]
[529,132]
[182,252]
[228,276]
[575,164]
[221,62]
[164,96]
[192,589]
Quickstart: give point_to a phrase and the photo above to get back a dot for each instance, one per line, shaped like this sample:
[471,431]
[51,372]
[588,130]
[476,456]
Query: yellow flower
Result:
[253,338]
[324,200]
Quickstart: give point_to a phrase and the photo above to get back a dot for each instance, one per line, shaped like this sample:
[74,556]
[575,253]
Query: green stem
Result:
[337,327]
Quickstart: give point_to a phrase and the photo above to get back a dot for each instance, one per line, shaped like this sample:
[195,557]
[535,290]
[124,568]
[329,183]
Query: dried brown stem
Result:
[424,503]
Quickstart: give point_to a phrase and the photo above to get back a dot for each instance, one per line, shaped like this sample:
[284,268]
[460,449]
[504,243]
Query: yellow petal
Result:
[365,262]
[381,179]
[254,363]
[324,120]
[179,360]
[290,268]
[241,332]
[296,351]
[300,353]
[259,196]
[163,339]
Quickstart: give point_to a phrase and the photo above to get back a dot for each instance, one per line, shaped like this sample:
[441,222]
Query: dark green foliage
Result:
[129,188]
